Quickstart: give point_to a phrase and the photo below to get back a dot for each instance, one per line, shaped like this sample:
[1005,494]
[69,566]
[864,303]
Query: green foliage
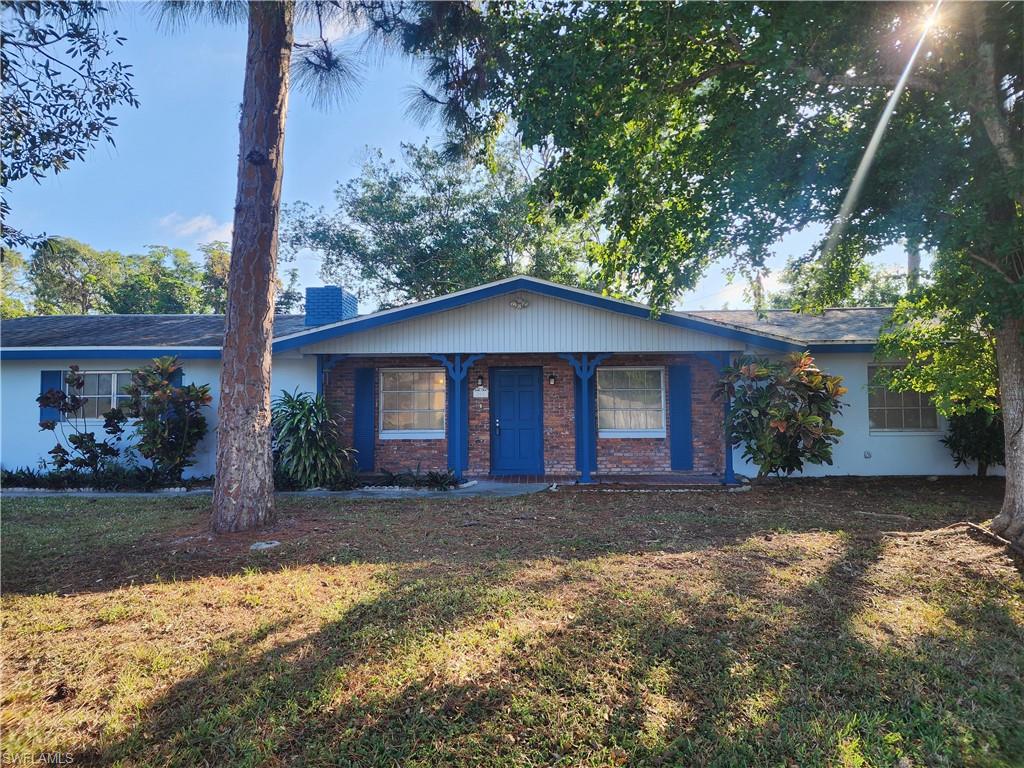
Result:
[976,437]
[308,452]
[77,448]
[61,87]
[867,286]
[435,480]
[164,281]
[950,354]
[216,261]
[12,284]
[67,277]
[781,412]
[168,419]
[436,225]
[707,131]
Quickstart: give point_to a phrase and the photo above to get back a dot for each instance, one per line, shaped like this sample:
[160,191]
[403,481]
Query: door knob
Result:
[497,426]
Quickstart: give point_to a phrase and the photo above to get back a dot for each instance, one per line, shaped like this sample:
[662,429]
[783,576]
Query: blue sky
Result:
[170,179]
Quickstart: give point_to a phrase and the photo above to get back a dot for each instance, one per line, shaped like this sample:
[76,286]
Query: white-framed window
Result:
[890,411]
[631,402]
[412,403]
[103,390]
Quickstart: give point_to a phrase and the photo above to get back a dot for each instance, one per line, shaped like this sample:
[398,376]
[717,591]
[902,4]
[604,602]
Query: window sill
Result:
[654,434]
[921,432]
[412,435]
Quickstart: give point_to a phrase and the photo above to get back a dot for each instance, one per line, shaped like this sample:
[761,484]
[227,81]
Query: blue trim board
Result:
[585,414]
[819,349]
[525,284]
[77,353]
[458,409]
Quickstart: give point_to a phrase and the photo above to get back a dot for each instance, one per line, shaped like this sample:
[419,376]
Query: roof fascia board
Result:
[117,353]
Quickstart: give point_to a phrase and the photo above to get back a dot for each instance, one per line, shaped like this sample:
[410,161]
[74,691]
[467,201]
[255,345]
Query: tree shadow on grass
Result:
[568,526]
[641,664]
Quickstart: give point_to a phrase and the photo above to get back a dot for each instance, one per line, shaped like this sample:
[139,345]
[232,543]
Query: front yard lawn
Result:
[831,623]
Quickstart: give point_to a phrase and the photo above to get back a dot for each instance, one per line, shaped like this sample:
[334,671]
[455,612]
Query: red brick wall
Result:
[642,455]
[614,455]
[391,455]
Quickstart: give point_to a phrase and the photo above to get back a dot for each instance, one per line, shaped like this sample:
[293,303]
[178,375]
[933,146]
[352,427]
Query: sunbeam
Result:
[839,225]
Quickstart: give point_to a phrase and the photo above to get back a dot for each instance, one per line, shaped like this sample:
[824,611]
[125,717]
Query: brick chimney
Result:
[329,304]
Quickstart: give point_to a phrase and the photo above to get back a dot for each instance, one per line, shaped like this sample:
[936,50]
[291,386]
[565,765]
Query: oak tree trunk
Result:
[1010,357]
[243,492]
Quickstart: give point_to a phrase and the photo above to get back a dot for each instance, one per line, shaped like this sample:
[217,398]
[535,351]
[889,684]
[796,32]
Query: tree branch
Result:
[985,103]
[995,267]
[888,79]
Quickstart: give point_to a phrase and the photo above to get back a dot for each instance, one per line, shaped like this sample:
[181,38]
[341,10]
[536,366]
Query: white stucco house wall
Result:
[549,359]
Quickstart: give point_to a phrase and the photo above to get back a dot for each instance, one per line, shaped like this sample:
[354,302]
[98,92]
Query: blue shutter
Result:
[680,415]
[363,417]
[50,380]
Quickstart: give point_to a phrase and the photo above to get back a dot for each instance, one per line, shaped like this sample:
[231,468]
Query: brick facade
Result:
[614,455]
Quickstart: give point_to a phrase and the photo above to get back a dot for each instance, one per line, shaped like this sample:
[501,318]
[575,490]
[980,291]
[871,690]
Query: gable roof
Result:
[202,335]
[691,321]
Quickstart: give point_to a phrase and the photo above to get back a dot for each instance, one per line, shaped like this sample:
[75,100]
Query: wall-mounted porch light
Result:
[552,379]
[479,381]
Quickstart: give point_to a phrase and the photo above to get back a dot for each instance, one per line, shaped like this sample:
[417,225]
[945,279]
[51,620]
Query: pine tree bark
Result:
[1010,357]
[243,495]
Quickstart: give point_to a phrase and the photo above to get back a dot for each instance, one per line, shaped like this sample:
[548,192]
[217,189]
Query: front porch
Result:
[641,419]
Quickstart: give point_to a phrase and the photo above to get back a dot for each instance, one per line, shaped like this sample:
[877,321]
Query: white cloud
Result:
[203,227]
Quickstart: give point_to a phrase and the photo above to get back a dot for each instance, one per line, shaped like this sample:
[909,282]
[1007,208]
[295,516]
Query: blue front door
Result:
[517,422]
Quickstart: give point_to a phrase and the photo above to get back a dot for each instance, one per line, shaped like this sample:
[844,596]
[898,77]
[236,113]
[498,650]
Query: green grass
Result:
[777,627]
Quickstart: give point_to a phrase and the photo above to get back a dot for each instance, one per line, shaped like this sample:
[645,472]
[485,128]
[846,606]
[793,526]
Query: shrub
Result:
[781,412]
[168,419]
[77,447]
[307,447]
[978,437]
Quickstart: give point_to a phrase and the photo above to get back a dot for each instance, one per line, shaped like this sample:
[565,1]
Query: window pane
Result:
[123,381]
[929,420]
[605,400]
[94,406]
[876,397]
[390,420]
[912,418]
[876,418]
[91,384]
[103,384]
[893,399]
[911,400]
[894,418]
[652,379]
[437,401]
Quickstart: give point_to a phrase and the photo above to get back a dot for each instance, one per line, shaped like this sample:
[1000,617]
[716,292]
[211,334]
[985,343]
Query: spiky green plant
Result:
[307,442]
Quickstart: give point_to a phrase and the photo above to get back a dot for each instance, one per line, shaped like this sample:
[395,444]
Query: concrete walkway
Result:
[481,489]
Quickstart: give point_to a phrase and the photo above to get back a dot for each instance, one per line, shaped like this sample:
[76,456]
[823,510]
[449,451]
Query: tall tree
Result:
[433,225]
[61,88]
[164,281]
[867,286]
[216,264]
[67,277]
[12,284]
[243,490]
[709,130]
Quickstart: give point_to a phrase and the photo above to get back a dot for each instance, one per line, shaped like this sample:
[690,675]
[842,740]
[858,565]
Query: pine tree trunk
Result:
[1010,356]
[243,494]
